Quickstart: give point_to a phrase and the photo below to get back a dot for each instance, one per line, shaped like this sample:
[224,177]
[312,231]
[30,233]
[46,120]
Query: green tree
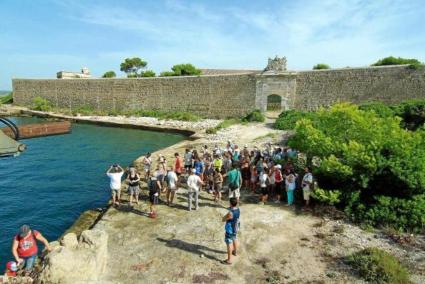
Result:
[147,73]
[182,70]
[109,74]
[321,66]
[132,66]
[391,60]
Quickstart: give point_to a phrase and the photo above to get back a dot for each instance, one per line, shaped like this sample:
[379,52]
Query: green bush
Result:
[7,99]
[378,266]
[109,74]
[364,155]
[147,73]
[211,131]
[330,197]
[320,66]
[288,119]
[41,104]
[179,115]
[391,60]
[255,116]
[182,70]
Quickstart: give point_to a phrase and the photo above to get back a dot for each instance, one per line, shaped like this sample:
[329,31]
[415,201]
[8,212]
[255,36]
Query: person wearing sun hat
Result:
[24,247]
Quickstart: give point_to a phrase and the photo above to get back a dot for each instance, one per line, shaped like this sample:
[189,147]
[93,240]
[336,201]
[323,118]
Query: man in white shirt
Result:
[115,173]
[307,185]
[193,183]
[172,186]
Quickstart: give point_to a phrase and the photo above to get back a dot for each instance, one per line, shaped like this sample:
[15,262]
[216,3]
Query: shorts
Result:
[280,188]
[29,262]
[178,174]
[234,193]
[147,168]
[114,190]
[134,189]
[229,238]
[172,189]
[187,168]
[153,198]
[264,191]
[306,194]
[218,187]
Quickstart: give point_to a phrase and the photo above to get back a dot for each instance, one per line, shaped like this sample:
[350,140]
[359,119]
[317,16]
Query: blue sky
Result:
[39,38]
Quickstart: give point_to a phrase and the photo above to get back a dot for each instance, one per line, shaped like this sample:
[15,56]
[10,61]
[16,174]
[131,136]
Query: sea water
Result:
[59,177]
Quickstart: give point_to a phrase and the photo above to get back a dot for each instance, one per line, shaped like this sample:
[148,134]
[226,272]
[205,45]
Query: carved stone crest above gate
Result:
[278,64]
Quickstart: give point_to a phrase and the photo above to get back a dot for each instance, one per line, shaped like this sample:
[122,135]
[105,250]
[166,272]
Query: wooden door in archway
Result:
[274,103]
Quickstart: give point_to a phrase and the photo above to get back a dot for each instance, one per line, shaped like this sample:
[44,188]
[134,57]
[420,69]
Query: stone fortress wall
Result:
[230,95]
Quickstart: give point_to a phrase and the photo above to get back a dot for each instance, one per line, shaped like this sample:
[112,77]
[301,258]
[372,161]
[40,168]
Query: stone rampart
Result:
[211,96]
[388,84]
[221,96]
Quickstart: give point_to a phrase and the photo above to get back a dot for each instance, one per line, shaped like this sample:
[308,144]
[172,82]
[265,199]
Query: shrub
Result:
[321,66]
[109,74]
[211,131]
[7,99]
[288,119]
[41,104]
[366,156]
[391,60]
[378,266]
[182,70]
[255,116]
[148,73]
[330,197]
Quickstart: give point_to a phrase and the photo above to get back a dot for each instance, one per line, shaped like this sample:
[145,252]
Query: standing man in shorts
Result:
[188,161]
[231,230]
[306,185]
[115,173]
[147,163]
[172,180]
[154,189]
[234,182]
[133,180]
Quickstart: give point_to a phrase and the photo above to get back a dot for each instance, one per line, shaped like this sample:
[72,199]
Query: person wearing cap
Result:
[279,185]
[11,268]
[193,184]
[24,247]
[115,173]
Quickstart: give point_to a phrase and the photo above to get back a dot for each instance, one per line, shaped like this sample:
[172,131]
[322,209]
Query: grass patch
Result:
[378,266]
[268,135]
[7,99]
[255,116]
[41,104]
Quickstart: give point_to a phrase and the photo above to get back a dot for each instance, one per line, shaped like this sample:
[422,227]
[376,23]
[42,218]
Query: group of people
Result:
[269,172]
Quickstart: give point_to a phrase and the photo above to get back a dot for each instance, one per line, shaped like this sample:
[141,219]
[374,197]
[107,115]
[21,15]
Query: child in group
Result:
[218,185]
[11,268]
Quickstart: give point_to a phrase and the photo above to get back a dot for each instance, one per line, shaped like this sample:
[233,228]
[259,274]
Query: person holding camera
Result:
[115,173]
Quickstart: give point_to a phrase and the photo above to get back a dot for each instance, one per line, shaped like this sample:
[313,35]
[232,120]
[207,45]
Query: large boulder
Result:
[76,261]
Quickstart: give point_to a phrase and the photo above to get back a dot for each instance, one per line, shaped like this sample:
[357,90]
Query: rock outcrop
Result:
[76,260]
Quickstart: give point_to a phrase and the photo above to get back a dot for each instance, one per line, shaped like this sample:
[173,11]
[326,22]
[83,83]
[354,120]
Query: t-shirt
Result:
[263,180]
[199,167]
[188,159]
[27,246]
[115,179]
[233,177]
[172,179]
[218,163]
[308,177]
[278,176]
[193,182]
[178,165]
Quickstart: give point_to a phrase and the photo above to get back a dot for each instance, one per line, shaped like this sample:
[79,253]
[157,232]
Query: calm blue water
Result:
[58,177]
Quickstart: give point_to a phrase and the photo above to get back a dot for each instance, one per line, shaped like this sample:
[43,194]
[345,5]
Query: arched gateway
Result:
[274,102]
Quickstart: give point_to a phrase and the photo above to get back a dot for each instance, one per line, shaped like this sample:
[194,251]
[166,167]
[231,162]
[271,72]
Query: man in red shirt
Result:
[24,247]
